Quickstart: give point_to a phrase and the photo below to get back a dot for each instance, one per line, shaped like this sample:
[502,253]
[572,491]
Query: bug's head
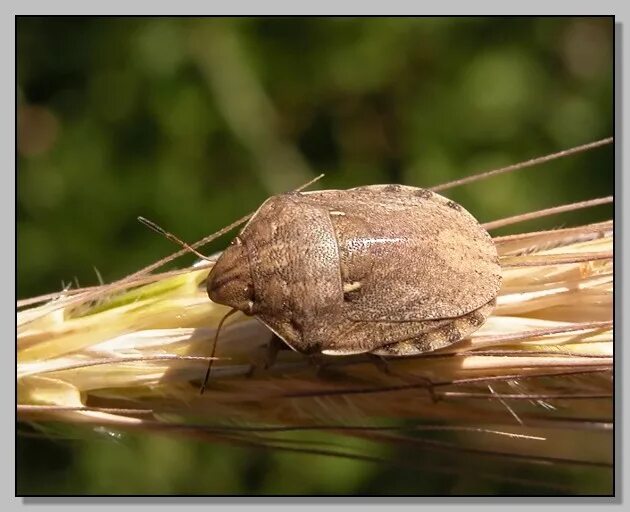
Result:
[230,281]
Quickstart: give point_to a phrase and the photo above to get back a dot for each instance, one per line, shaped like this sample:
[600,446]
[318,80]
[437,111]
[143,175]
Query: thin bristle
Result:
[547,212]
[523,165]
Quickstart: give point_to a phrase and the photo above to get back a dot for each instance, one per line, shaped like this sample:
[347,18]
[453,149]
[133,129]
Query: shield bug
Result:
[382,269]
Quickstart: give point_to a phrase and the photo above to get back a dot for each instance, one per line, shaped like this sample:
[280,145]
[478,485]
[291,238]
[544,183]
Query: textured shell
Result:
[406,257]
[417,255]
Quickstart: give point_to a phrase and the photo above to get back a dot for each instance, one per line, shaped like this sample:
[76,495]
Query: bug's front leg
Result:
[266,356]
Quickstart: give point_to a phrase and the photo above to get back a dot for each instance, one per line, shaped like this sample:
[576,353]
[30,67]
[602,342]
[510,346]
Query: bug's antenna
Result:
[152,225]
[214,348]
[172,237]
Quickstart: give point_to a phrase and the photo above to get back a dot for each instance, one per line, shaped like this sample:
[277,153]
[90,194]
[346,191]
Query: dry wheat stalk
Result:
[130,355]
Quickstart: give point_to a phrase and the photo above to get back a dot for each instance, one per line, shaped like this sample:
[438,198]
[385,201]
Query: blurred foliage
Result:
[194,122]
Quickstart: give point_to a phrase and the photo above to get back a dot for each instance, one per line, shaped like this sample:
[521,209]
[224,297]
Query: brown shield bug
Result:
[382,269]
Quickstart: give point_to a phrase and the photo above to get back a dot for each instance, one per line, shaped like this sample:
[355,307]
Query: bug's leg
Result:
[267,355]
[317,361]
[437,338]
[427,384]
[324,366]
[274,346]
[440,337]
[382,365]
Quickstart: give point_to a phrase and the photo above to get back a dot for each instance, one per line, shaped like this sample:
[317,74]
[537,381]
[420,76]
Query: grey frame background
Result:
[323,7]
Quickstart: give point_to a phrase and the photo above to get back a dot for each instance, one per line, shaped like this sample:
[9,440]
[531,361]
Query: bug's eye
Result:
[236,241]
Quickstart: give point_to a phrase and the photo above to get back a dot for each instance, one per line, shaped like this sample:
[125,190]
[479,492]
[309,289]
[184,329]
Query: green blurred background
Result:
[194,122]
